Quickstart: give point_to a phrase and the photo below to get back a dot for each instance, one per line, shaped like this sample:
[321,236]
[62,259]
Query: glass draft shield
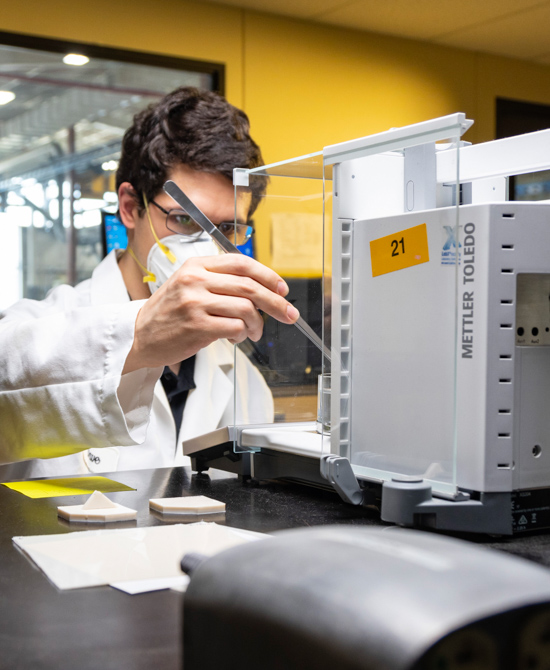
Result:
[367,235]
[289,238]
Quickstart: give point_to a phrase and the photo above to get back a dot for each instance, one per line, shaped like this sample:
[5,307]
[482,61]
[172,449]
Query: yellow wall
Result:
[304,85]
[309,85]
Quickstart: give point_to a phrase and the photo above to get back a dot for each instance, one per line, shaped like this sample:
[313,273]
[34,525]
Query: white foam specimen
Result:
[99,500]
[187,505]
[98,508]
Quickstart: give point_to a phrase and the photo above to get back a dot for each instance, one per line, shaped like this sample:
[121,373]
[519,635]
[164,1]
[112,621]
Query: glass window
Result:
[61,126]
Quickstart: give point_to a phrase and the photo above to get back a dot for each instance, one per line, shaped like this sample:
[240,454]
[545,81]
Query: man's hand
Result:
[207,299]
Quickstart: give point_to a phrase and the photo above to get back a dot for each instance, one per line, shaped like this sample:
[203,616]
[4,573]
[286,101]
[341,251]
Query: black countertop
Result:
[41,627]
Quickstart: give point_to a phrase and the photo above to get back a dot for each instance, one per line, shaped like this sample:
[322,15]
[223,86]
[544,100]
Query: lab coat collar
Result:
[107,283]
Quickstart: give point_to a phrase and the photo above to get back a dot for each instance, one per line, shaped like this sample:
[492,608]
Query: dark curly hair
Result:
[197,128]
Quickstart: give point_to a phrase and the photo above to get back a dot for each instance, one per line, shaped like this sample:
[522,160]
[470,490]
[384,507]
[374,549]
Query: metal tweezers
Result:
[175,192]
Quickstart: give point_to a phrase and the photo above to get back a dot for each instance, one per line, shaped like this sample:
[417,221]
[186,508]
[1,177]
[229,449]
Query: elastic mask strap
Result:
[148,276]
[165,250]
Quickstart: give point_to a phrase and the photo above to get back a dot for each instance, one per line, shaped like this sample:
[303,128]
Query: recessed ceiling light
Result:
[75,59]
[6,96]
[109,166]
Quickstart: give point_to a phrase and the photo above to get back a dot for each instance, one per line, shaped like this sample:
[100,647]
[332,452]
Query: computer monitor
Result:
[113,233]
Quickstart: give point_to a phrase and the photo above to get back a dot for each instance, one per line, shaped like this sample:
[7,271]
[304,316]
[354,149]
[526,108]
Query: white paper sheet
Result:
[100,557]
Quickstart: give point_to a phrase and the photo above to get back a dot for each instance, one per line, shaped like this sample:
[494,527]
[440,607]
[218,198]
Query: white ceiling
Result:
[515,28]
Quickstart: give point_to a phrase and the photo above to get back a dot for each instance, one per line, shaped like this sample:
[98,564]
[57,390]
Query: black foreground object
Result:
[191,561]
[348,598]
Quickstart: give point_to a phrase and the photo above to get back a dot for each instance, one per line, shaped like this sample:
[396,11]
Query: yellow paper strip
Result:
[70,486]
[399,250]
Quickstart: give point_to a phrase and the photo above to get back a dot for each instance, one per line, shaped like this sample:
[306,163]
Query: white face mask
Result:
[169,254]
[163,265]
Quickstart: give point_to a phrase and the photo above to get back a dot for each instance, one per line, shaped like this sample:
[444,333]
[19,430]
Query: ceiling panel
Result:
[524,34]
[423,19]
[516,28]
[544,60]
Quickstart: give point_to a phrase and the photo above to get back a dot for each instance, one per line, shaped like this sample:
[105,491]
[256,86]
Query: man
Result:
[80,370]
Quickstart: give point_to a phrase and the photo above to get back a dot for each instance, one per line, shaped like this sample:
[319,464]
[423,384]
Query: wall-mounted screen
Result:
[113,233]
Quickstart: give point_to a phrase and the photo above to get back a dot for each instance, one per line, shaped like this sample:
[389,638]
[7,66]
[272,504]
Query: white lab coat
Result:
[65,405]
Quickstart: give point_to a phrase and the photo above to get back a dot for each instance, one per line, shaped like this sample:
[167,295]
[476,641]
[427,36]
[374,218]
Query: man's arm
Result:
[61,363]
